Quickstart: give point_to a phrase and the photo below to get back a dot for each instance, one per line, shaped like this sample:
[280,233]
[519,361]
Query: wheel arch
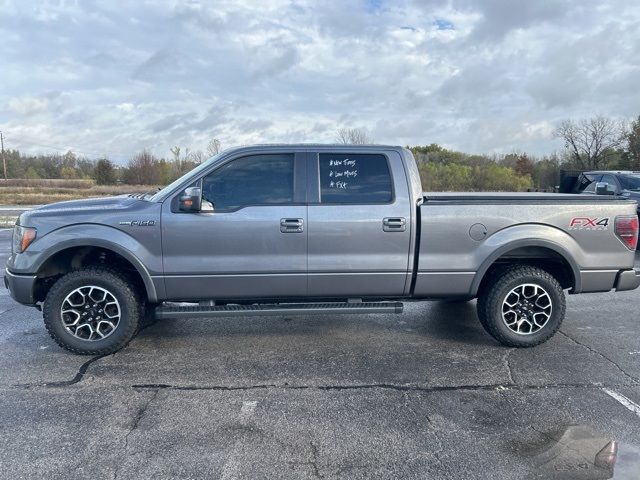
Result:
[538,252]
[74,254]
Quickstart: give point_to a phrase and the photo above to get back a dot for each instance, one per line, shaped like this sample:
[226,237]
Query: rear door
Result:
[254,242]
[359,224]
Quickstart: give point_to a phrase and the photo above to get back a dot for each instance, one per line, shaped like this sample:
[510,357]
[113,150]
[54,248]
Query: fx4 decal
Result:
[588,223]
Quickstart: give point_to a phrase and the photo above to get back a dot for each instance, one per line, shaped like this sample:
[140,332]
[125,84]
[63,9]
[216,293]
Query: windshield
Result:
[630,182]
[160,193]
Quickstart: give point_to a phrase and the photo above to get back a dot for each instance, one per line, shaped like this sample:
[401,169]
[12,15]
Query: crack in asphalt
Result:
[440,449]
[81,371]
[383,386]
[311,462]
[137,418]
[66,383]
[507,365]
[600,354]
[314,460]
[363,386]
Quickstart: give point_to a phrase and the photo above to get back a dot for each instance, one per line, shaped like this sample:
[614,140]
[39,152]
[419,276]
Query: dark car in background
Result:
[604,182]
[619,183]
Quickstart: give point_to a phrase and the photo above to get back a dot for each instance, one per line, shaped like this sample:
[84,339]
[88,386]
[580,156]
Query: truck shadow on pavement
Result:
[455,322]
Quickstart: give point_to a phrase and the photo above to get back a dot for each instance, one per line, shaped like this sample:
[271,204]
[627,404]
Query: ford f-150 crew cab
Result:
[302,229]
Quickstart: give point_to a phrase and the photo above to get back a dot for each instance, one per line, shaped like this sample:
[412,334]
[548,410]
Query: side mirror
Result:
[603,188]
[191,200]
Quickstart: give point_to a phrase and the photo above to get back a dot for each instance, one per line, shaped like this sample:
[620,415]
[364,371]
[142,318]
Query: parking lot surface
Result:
[425,394]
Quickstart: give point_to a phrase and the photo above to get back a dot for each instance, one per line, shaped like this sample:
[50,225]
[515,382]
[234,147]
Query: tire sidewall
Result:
[118,287]
[556,295]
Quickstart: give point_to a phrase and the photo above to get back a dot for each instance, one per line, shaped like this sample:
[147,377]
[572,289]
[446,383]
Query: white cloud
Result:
[486,76]
[27,106]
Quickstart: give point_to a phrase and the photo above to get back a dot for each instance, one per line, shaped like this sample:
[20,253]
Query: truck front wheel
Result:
[521,306]
[93,311]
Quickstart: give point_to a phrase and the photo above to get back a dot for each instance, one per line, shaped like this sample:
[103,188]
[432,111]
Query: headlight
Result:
[22,238]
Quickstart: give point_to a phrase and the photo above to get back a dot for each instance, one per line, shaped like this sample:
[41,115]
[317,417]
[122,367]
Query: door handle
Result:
[394,224]
[291,225]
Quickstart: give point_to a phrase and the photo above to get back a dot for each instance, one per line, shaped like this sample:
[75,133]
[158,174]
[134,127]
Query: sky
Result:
[110,78]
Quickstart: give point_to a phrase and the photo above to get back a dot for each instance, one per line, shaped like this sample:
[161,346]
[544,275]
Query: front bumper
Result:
[627,280]
[21,287]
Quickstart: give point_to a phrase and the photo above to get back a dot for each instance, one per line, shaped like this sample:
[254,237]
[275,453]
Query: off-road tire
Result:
[130,302]
[494,292]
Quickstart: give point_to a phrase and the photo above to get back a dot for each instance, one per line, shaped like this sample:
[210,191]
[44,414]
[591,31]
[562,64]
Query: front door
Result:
[359,225]
[254,242]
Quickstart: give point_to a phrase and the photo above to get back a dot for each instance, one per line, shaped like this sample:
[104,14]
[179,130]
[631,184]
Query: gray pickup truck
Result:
[302,229]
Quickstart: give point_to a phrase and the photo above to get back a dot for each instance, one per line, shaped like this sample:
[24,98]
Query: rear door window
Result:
[354,179]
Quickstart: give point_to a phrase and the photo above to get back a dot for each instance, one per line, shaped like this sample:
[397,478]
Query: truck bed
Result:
[457,243]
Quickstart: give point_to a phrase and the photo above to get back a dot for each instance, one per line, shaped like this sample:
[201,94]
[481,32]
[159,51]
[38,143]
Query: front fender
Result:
[529,235]
[147,261]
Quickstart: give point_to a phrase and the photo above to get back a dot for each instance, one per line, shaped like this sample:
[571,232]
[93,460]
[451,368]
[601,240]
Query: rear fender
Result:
[530,235]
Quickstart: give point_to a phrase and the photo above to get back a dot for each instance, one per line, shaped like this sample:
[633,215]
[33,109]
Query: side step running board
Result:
[278,309]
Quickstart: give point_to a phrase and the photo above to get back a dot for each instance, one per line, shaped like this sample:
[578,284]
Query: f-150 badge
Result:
[139,223]
[587,223]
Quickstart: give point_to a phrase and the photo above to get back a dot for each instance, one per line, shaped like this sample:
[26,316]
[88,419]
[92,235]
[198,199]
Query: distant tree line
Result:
[143,168]
[594,143]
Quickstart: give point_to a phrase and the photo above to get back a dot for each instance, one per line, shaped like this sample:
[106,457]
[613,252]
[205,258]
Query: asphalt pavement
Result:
[425,394]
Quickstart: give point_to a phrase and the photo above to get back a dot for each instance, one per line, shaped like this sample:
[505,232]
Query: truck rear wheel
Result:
[521,306]
[93,311]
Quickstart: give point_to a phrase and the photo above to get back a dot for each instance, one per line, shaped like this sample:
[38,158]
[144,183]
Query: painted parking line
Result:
[627,403]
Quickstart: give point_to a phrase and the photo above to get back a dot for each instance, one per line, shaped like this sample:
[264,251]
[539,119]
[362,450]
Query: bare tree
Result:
[590,142]
[196,157]
[213,147]
[357,136]
[176,151]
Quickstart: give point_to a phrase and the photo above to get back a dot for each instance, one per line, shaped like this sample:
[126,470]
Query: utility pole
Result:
[4,161]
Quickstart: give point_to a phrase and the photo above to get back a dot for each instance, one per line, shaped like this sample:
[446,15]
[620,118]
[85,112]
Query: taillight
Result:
[627,231]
